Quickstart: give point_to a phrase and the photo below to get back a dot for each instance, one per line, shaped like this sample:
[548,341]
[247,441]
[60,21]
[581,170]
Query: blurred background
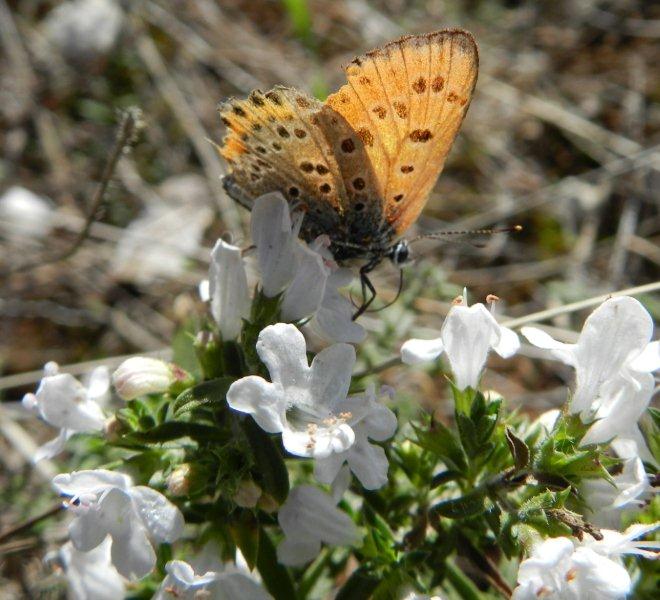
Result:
[561,137]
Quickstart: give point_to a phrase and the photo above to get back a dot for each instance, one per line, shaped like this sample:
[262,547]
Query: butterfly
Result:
[361,164]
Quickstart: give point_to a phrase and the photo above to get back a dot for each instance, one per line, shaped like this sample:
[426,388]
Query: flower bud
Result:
[247,495]
[178,481]
[141,375]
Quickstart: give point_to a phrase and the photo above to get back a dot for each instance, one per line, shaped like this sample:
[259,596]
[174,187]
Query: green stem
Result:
[463,586]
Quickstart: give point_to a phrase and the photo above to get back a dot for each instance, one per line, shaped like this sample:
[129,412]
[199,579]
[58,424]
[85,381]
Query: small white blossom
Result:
[370,420]
[614,343]
[62,401]
[158,243]
[304,403]
[615,543]
[306,274]
[182,583]
[565,569]
[333,320]
[466,337]
[608,502]
[228,289]
[90,575]
[105,503]
[309,518]
[83,29]
[24,214]
[142,375]
[556,571]
[275,238]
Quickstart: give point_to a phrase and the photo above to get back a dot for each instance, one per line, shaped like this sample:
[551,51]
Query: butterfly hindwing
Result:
[406,102]
[273,144]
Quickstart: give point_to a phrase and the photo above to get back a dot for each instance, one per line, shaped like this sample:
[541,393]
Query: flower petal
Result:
[330,376]
[79,483]
[295,553]
[414,351]
[508,344]
[649,360]
[228,288]
[54,447]
[304,294]
[263,400]
[275,242]
[163,520]
[369,463]
[560,351]
[283,350]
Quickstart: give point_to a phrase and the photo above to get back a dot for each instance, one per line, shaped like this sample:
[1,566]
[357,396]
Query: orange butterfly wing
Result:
[406,102]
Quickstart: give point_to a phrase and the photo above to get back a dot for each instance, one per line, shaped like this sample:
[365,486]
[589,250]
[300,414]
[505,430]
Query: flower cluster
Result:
[290,470]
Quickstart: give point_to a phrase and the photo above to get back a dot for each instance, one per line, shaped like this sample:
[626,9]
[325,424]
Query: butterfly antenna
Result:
[398,293]
[438,235]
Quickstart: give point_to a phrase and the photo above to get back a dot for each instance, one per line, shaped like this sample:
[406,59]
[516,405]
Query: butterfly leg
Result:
[367,286]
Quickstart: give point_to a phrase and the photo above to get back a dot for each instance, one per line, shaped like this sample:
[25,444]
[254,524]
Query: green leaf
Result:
[469,505]
[173,430]
[245,534]
[274,477]
[390,587]
[209,393]
[518,448]
[442,442]
[276,577]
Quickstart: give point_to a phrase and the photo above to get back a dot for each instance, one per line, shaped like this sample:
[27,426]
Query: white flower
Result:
[84,27]
[615,544]
[303,402]
[370,419]
[182,583]
[228,289]
[62,401]
[333,320]
[622,403]
[563,569]
[607,502]
[275,238]
[466,337]
[24,214]
[142,375]
[90,575]
[106,503]
[158,243]
[614,343]
[308,518]
[305,273]
[556,571]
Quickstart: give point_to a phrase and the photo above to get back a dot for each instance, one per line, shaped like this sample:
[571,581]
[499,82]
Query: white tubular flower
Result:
[622,404]
[275,239]
[466,337]
[308,518]
[24,214]
[615,544]
[106,503]
[608,502]
[182,583]
[84,29]
[228,289]
[90,575]
[614,343]
[304,403]
[333,320]
[62,401]
[370,420]
[304,294]
[556,570]
[141,375]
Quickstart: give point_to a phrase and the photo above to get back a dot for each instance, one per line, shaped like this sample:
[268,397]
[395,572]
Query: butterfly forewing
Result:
[406,102]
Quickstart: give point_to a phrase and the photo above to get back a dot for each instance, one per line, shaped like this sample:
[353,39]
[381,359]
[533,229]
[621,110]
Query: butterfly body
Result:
[362,164]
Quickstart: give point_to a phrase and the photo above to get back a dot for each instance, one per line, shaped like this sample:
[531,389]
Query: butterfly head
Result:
[399,253]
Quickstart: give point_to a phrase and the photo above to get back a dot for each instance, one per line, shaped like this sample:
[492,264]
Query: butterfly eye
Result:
[400,253]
